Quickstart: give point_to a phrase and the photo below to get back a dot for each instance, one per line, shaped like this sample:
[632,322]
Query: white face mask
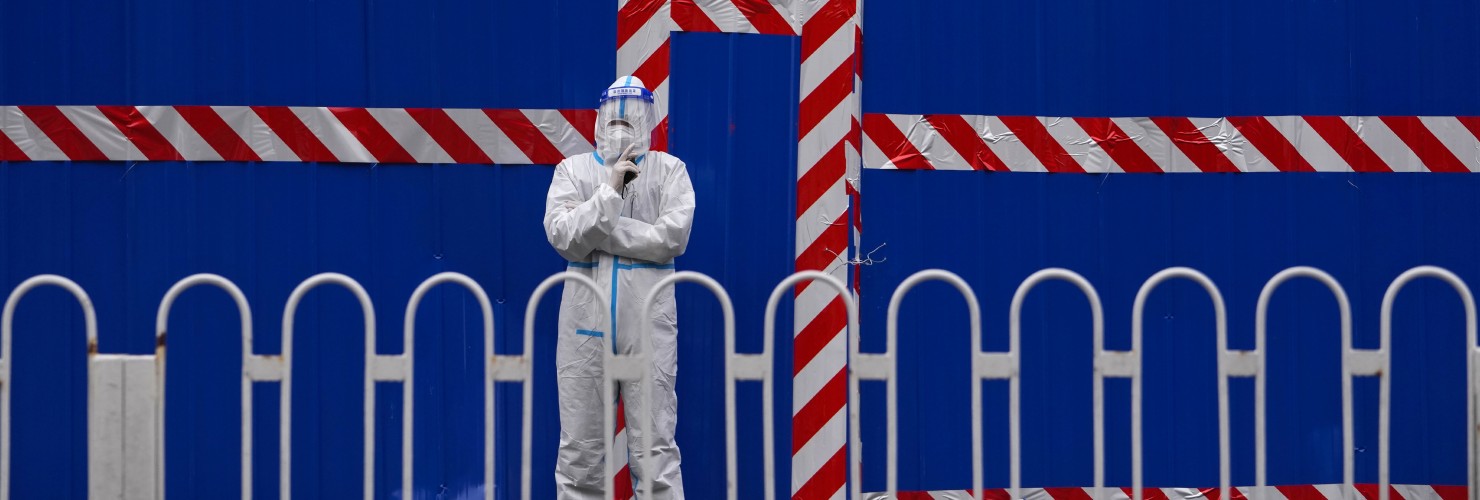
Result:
[620,136]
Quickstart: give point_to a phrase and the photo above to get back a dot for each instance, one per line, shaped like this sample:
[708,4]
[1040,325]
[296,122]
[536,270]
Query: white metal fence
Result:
[126,394]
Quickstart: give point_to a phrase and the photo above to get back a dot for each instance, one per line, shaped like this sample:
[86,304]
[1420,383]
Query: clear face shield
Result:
[625,119]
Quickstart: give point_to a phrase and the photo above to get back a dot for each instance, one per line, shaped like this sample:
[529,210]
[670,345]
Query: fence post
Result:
[1260,355]
[883,366]
[1379,363]
[90,321]
[1014,319]
[388,368]
[1133,359]
[528,361]
[759,367]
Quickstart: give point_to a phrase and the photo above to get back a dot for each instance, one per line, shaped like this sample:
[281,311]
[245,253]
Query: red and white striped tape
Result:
[643,28]
[947,142]
[737,16]
[643,32]
[1295,492]
[282,133]
[826,153]
[1173,144]
[828,112]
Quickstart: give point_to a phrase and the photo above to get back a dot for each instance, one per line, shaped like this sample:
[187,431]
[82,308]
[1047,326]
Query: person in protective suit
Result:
[620,216]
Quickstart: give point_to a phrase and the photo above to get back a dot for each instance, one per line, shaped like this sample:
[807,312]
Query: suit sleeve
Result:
[576,226]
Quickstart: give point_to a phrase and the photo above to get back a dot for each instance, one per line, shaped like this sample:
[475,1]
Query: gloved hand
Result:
[624,171]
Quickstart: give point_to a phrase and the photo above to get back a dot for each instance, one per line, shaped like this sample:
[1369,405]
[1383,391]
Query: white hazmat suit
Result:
[625,239]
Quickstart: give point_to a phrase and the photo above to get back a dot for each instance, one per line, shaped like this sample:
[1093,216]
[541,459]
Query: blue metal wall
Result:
[126,232]
[1170,58]
[1154,58]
